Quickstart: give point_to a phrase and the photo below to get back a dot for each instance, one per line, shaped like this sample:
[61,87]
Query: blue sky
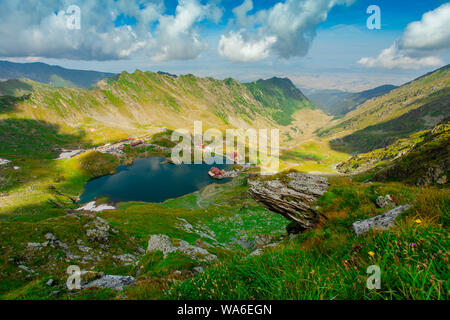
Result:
[318,44]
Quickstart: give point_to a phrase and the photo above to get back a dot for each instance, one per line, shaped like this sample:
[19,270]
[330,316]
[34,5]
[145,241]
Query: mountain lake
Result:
[151,180]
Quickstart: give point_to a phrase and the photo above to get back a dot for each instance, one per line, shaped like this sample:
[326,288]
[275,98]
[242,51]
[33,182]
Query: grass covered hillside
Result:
[281,96]
[422,159]
[144,101]
[415,106]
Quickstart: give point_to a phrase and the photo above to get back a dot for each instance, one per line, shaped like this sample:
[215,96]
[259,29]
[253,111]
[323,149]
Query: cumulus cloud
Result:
[419,44]
[287,29]
[395,58]
[234,47]
[431,33]
[39,28]
[177,37]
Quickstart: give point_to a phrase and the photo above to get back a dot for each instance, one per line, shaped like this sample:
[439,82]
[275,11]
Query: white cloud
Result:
[234,47]
[431,33]
[394,58]
[39,28]
[291,24]
[419,44]
[177,37]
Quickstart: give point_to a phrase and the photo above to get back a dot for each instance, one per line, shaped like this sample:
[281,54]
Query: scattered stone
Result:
[50,236]
[50,282]
[84,248]
[92,207]
[383,221]
[436,174]
[111,282]
[126,258]
[244,242]
[262,240]
[386,201]
[293,195]
[199,269]
[4,161]
[257,252]
[34,246]
[100,231]
[164,244]
[26,269]
[442,180]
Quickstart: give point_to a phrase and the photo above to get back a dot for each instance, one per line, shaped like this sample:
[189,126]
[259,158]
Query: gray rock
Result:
[111,282]
[244,242]
[84,248]
[50,236]
[127,258]
[163,243]
[199,269]
[383,221]
[100,232]
[34,246]
[262,240]
[386,201]
[50,282]
[26,269]
[257,252]
[293,196]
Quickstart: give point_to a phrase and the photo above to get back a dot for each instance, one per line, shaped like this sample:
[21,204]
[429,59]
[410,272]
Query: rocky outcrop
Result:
[292,195]
[111,282]
[383,221]
[99,232]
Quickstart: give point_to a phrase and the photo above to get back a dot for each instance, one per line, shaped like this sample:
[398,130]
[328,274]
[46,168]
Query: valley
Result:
[219,241]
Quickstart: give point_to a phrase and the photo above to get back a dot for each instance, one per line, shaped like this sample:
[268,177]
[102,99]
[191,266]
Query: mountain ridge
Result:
[51,74]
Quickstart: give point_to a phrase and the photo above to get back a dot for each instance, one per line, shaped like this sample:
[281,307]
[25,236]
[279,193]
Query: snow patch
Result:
[4,161]
[69,154]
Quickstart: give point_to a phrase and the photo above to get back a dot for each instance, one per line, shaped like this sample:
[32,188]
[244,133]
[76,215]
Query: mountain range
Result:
[53,75]
[338,103]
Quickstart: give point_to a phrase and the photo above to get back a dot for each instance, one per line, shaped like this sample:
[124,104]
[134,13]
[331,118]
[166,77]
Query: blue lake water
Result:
[150,181]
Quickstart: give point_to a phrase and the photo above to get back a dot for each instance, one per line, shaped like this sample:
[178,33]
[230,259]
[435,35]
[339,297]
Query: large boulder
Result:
[292,195]
[111,282]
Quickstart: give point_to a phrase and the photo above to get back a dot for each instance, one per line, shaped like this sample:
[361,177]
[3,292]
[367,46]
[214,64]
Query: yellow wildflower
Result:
[371,253]
[418,221]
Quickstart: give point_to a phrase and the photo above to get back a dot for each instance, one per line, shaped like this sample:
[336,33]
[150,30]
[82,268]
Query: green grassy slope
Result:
[422,159]
[382,134]
[132,103]
[350,103]
[380,121]
[281,96]
[331,262]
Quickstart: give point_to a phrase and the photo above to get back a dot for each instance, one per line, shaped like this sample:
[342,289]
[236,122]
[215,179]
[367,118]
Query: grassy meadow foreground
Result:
[220,243]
